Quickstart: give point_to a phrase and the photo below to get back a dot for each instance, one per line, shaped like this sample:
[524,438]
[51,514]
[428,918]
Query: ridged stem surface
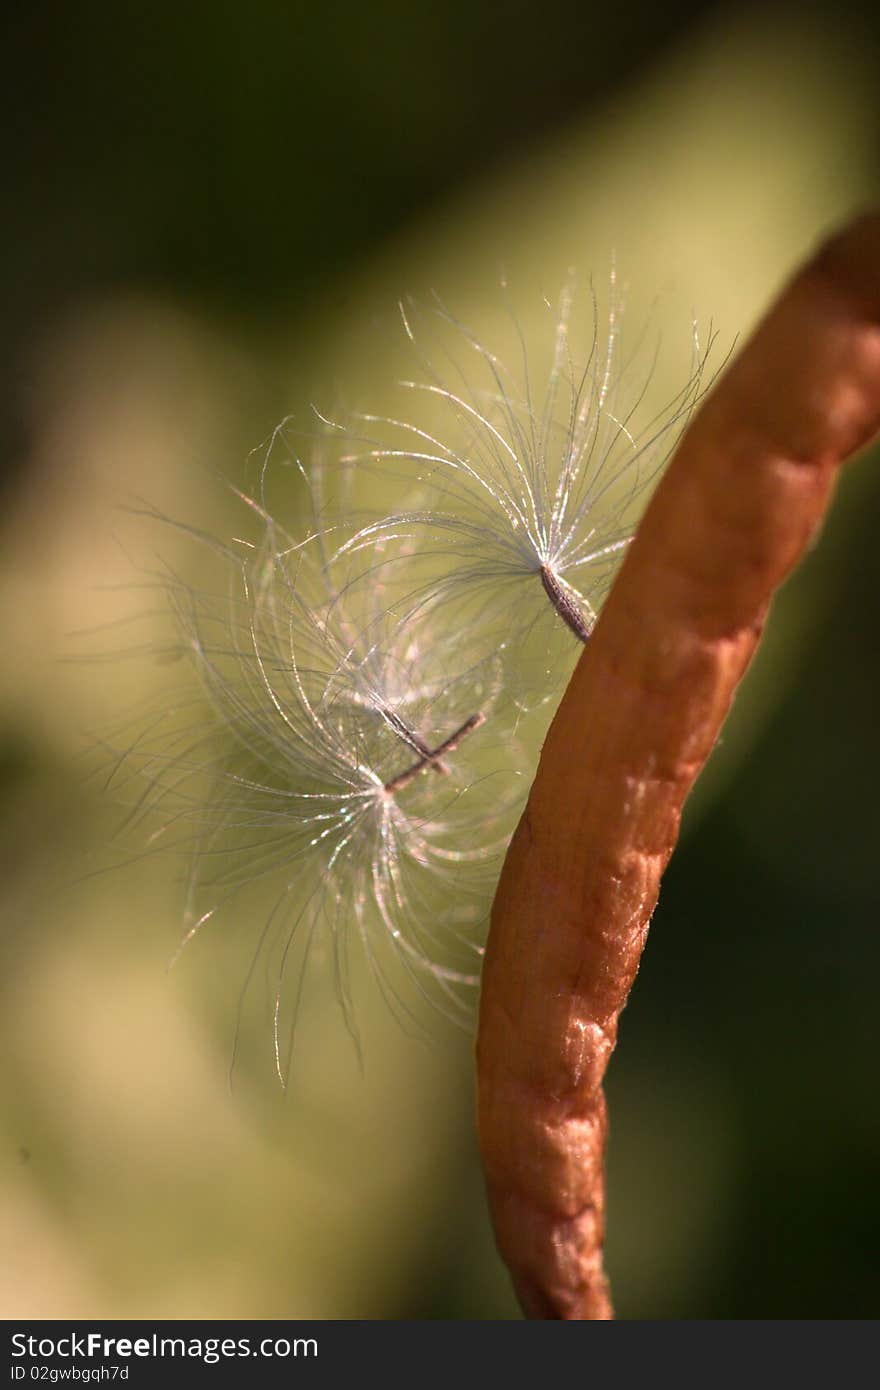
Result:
[740,502]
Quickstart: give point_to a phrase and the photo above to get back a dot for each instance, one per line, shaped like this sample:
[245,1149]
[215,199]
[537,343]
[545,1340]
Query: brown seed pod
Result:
[741,500]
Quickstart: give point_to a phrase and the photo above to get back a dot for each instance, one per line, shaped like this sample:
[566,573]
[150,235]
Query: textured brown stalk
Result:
[741,500]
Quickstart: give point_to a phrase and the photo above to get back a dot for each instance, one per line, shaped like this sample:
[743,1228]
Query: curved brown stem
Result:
[741,500]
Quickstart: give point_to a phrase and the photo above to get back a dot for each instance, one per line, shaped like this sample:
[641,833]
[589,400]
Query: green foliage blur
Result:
[211,212]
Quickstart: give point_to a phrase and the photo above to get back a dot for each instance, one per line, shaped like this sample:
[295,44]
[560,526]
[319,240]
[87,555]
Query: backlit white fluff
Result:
[346,757]
[521,501]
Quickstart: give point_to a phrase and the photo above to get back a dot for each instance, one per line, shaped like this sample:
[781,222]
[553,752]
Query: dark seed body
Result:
[564,604]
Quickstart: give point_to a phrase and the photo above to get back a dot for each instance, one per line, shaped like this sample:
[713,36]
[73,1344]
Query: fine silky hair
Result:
[353,748]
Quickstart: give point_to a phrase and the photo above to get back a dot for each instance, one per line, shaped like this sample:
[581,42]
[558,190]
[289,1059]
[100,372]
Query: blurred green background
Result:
[210,213]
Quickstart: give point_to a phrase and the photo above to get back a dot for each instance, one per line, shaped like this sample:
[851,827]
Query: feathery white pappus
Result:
[354,746]
[519,496]
[343,761]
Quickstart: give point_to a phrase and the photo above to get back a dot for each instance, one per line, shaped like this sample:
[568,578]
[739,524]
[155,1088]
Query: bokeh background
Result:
[210,214]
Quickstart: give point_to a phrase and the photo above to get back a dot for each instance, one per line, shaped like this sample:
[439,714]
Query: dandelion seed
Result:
[505,488]
[341,763]
[354,750]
